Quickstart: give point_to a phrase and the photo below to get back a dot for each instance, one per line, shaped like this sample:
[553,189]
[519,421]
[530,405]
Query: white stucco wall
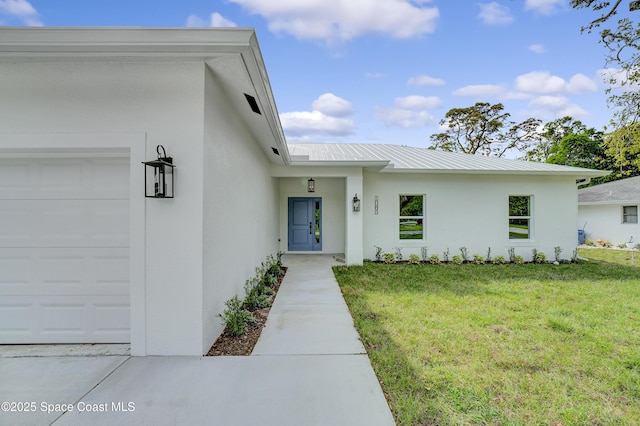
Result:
[165,103]
[240,208]
[604,222]
[332,191]
[470,211]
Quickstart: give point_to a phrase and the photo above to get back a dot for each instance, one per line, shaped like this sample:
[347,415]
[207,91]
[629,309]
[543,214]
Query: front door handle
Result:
[310,223]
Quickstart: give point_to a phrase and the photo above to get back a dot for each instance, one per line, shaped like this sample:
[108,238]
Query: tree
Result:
[550,137]
[622,147]
[483,129]
[579,150]
[623,45]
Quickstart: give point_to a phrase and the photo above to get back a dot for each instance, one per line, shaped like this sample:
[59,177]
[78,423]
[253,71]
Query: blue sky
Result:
[385,71]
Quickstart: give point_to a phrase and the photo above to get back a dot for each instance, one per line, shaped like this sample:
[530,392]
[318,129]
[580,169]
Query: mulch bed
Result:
[227,345]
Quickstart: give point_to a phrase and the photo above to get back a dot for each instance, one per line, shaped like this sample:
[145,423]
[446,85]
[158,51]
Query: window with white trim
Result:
[411,222]
[519,217]
[629,214]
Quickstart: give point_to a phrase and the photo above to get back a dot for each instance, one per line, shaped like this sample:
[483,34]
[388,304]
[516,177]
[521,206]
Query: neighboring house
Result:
[85,257]
[609,211]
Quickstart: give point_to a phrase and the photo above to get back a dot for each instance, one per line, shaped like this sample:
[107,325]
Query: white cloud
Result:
[617,79]
[216,20]
[22,10]
[409,112]
[537,48]
[425,80]
[552,107]
[342,20]
[482,90]
[542,82]
[418,102]
[544,7]
[495,14]
[329,117]
[332,105]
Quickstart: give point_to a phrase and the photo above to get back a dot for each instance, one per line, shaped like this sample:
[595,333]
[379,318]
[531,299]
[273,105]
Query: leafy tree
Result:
[622,148]
[484,129]
[623,53]
[579,150]
[551,135]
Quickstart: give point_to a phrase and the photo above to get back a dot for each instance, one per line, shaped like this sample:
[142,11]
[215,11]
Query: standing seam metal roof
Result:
[405,158]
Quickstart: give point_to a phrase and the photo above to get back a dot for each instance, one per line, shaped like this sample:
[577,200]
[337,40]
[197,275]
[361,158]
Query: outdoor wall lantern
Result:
[356,203]
[311,185]
[158,176]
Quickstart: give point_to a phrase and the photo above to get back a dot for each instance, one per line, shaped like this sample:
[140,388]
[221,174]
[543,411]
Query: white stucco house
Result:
[86,257]
[610,211]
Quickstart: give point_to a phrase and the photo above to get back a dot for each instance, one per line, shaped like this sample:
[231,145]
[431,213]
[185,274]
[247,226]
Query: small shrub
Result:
[512,254]
[389,258]
[235,317]
[518,260]
[414,259]
[378,253]
[477,259]
[556,253]
[499,260]
[445,255]
[488,258]
[589,242]
[540,257]
[574,256]
[434,259]
[424,252]
[398,253]
[464,253]
[255,295]
[456,260]
[606,244]
[622,246]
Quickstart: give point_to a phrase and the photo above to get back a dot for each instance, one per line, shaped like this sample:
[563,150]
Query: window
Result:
[630,214]
[519,217]
[411,217]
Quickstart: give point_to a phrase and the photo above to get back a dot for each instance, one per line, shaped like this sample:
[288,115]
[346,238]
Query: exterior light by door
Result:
[311,185]
[158,176]
[356,203]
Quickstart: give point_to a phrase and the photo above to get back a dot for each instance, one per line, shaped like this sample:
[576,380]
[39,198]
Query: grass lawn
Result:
[501,344]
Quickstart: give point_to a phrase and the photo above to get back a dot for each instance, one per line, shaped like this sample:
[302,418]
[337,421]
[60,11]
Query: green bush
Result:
[477,259]
[434,259]
[414,259]
[499,260]
[518,260]
[456,260]
[389,258]
[235,317]
[540,257]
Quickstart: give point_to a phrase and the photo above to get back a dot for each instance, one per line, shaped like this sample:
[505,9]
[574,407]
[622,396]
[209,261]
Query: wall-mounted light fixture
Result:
[158,176]
[311,185]
[356,203]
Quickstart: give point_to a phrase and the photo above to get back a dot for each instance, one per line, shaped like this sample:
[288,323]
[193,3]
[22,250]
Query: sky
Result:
[385,71]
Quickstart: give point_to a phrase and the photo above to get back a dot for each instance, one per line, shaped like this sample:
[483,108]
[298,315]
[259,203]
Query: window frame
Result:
[528,217]
[403,217]
[625,216]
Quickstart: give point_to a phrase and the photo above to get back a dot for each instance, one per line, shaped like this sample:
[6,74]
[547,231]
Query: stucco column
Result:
[354,250]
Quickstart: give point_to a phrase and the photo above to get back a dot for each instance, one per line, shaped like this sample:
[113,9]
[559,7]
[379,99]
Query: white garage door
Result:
[64,249]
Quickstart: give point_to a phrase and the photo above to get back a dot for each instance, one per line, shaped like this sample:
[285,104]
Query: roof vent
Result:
[275,151]
[253,104]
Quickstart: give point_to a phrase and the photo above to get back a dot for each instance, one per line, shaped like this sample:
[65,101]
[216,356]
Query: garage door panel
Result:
[64,271]
[64,178]
[65,319]
[64,223]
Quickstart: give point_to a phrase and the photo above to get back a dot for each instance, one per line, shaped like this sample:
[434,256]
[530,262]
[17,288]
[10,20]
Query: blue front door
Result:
[305,216]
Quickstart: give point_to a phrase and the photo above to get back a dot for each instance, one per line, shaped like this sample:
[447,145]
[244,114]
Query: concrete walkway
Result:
[308,368]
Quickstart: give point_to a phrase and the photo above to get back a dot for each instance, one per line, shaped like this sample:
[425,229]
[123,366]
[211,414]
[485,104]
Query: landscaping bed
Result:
[229,344]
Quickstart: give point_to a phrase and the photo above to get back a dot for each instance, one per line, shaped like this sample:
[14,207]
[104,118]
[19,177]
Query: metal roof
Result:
[399,158]
[623,190]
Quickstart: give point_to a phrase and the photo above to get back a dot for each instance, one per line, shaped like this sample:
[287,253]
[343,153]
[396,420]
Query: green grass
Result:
[501,345]
[620,257]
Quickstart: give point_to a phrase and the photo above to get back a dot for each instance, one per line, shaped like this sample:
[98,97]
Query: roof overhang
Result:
[232,54]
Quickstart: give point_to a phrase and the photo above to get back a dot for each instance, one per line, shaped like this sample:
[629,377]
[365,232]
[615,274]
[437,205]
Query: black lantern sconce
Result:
[158,176]
[311,185]
[356,203]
